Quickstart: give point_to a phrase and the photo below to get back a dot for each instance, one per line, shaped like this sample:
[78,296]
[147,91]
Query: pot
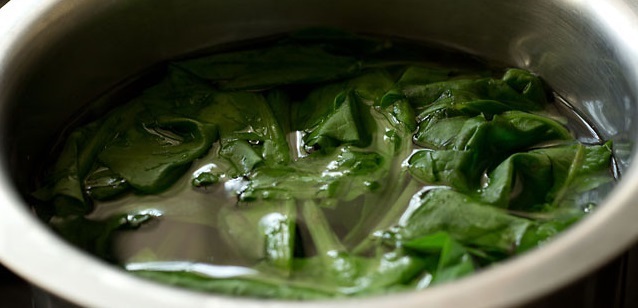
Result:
[57,55]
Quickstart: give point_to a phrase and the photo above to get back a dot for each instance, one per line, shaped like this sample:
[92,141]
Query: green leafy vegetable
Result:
[265,231]
[264,68]
[104,184]
[518,89]
[149,155]
[97,236]
[454,260]
[325,164]
[465,220]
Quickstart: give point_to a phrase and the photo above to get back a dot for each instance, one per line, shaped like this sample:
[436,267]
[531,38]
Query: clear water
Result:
[186,234]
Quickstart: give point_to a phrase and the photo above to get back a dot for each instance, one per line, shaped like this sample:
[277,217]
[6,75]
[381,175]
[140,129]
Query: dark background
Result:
[615,285]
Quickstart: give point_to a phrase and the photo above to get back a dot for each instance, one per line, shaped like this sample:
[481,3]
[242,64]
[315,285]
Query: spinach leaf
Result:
[389,272]
[507,132]
[548,177]
[401,113]
[179,93]
[337,264]
[64,186]
[368,88]
[104,184]
[345,174]
[541,232]
[516,131]
[526,84]
[272,66]
[454,261]
[152,155]
[355,172]
[458,169]
[424,75]
[465,147]
[455,133]
[522,180]
[262,231]
[241,154]
[244,117]
[578,168]
[465,220]
[96,236]
[239,286]
[518,89]
[343,126]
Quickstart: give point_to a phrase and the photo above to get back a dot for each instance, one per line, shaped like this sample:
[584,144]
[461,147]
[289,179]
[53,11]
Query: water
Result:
[187,232]
[187,225]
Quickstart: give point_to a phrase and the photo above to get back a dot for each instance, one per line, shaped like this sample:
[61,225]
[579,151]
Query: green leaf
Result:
[541,232]
[343,126]
[179,93]
[96,236]
[454,261]
[104,184]
[334,213]
[240,286]
[264,68]
[548,177]
[205,179]
[577,169]
[153,155]
[507,132]
[64,182]
[518,90]
[368,88]
[345,174]
[400,113]
[515,131]
[280,106]
[338,266]
[389,272]
[525,83]
[456,133]
[262,231]
[423,75]
[249,117]
[458,169]
[521,181]
[465,220]
[241,154]
[465,147]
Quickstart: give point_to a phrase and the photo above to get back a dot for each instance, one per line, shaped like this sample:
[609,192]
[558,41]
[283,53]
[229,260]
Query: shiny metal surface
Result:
[56,55]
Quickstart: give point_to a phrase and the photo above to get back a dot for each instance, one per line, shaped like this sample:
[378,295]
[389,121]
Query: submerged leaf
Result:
[262,231]
[454,261]
[268,67]
[324,166]
[465,220]
[152,156]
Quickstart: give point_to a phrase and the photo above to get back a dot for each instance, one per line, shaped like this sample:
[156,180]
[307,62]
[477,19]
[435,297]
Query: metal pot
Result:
[57,55]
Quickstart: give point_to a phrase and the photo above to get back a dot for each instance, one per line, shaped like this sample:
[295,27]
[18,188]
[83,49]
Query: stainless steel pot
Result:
[56,55]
